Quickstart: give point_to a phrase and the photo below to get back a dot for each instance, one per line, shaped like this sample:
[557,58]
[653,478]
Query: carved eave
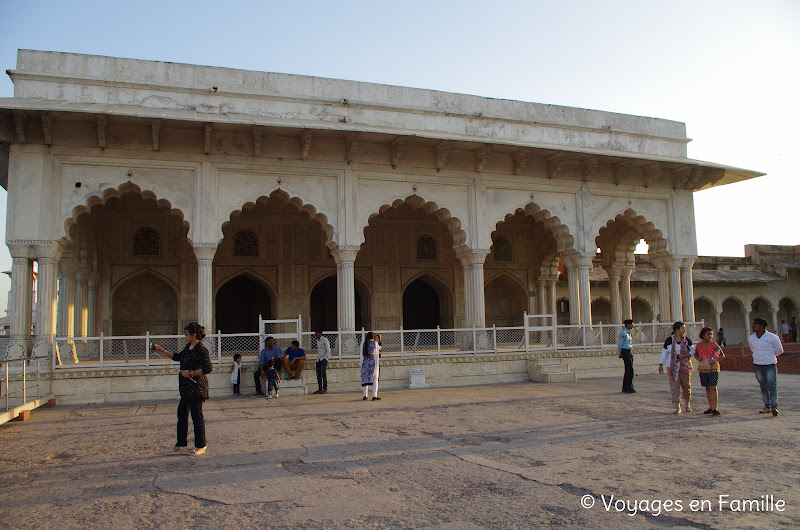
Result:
[350,146]
[396,147]
[589,168]
[155,126]
[710,177]
[482,157]
[520,159]
[442,152]
[554,165]
[20,126]
[305,144]
[258,136]
[102,125]
[620,172]
[207,144]
[47,128]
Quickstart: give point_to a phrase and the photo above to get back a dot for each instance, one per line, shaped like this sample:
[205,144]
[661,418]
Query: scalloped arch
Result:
[503,275]
[115,193]
[297,202]
[553,224]
[638,226]
[442,214]
[141,272]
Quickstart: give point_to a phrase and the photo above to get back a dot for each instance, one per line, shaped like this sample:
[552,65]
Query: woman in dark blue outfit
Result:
[193,387]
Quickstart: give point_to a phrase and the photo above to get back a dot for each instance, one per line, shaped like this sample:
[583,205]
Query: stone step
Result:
[291,387]
[551,371]
[562,377]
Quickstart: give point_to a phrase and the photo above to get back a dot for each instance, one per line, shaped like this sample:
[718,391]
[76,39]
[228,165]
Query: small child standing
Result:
[273,378]
[236,373]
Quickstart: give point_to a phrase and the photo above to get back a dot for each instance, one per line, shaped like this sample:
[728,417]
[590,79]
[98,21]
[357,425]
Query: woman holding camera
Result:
[195,363]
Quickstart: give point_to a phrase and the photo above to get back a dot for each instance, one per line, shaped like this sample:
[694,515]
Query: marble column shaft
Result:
[92,329]
[474,295]
[687,288]
[204,252]
[625,288]
[345,258]
[21,301]
[663,294]
[574,295]
[675,302]
[66,297]
[47,291]
[81,301]
[616,304]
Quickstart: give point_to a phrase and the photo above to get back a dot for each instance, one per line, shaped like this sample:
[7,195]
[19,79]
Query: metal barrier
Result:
[17,372]
[538,333]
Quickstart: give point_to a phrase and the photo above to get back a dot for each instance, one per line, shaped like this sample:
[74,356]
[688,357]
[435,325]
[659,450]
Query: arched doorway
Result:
[324,303]
[505,302]
[421,306]
[601,311]
[732,320]
[704,310]
[144,304]
[239,302]
[641,310]
[761,308]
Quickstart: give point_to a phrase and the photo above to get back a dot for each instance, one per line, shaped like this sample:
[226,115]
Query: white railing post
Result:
[7,389]
[402,343]
[147,348]
[554,323]
[474,340]
[601,333]
[525,330]
[101,349]
[438,340]
[25,381]
[219,346]
[583,335]
[494,337]
[339,341]
[300,330]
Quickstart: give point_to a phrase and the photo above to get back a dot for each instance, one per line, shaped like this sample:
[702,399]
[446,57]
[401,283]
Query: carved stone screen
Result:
[245,243]
[426,247]
[145,303]
[146,242]
[502,249]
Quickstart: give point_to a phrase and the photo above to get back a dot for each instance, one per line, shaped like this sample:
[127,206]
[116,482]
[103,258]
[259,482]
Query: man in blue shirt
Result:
[294,358]
[270,351]
[625,350]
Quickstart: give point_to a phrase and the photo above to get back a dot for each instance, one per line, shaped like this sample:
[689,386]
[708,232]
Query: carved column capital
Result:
[204,251]
[345,253]
[577,259]
[21,250]
[48,250]
[68,266]
[94,280]
[82,274]
[470,257]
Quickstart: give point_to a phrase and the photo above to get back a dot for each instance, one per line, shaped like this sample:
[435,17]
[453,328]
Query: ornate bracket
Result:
[680,176]
[207,131]
[397,146]
[520,159]
[442,151]
[588,168]
[156,131]
[554,165]
[482,157]
[20,126]
[350,146]
[102,124]
[47,128]
[620,172]
[652,173]
[258,135]
[305,144]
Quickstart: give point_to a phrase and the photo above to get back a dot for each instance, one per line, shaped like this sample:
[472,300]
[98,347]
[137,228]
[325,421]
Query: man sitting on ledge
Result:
[294,358]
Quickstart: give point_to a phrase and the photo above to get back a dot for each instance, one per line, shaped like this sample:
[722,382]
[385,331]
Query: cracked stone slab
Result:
[245,485]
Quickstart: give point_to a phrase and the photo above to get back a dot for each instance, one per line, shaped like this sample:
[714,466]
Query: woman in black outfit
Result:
[193,387]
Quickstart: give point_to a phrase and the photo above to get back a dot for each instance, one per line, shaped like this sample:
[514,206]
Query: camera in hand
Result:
[152,346]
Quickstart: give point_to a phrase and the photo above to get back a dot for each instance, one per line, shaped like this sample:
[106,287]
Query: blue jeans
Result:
[767,376]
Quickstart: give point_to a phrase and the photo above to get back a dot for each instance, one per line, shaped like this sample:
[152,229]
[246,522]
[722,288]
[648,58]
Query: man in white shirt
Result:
[323,350]
[766,347]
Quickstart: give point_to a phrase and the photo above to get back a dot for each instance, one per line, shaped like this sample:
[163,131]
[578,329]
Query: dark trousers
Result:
[627,379]
[257,379]
[195,406]
[236,388]
[322,374]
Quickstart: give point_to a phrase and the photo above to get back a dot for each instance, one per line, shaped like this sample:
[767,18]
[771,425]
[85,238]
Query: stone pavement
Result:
[511,456]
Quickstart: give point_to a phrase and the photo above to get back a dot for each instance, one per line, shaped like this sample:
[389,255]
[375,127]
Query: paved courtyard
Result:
[506,456]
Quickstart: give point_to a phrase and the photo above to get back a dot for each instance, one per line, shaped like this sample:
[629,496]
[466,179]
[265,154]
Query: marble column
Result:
[574,292]
[67,267]
[551,297]
[81,300]
[345,258]
[19,344]
[625,288]
[474,296]
[541,296]
[613,288]
[47,255]
[687,288]
[584,266]
[675,302]
[663,294]
[92,306]
[204,252]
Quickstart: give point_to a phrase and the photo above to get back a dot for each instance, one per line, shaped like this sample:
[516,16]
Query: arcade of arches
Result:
[273,262]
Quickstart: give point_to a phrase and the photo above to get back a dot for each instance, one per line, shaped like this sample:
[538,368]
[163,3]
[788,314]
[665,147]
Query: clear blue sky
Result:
[727,68]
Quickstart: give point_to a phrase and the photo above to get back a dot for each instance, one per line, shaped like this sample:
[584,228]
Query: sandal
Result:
[375,398]
[197,451]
